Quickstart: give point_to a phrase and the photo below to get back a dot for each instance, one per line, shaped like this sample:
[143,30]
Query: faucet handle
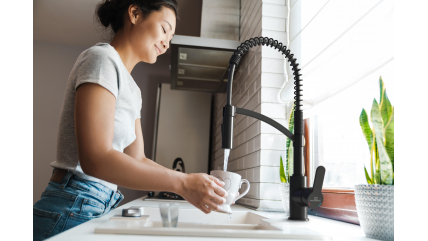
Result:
[313,197]
[319,179]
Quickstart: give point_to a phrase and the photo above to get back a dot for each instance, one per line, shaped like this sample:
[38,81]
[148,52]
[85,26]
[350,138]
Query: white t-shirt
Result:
[100,64]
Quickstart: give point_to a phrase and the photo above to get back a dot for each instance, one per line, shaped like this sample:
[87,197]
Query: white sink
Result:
[193,222]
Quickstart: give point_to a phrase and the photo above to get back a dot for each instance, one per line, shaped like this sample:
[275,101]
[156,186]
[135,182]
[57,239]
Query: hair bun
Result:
[106,12]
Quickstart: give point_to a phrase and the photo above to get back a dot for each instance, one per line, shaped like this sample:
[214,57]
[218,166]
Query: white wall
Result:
[52,66]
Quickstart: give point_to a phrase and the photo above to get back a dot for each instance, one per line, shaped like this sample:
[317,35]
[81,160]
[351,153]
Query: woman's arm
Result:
[94,120]
[136,149]
[94,123]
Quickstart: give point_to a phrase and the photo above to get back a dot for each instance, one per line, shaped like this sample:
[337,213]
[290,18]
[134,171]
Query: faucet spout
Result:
[268,120]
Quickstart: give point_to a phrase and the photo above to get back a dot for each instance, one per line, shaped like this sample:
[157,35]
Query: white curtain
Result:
[343,47]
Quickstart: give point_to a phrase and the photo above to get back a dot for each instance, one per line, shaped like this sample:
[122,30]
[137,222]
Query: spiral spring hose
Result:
[257,41]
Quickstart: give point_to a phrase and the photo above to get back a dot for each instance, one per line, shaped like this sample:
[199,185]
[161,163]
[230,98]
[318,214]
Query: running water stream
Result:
[226,158]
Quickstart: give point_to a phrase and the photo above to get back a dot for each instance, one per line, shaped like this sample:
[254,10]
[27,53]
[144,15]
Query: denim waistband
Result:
[104,193]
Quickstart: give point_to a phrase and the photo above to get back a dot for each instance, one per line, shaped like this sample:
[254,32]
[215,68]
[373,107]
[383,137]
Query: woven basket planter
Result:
[284,189]
[375,209]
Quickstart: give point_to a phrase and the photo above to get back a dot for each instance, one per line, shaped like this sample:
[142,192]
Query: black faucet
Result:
[301,197]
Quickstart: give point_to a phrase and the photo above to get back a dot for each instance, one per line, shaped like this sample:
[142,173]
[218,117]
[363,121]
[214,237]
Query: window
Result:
[343,47]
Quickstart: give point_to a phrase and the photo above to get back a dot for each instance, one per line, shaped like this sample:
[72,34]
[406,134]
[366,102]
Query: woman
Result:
[100,143]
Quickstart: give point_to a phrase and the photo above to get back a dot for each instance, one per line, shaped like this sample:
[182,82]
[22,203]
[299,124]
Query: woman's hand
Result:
[203,191]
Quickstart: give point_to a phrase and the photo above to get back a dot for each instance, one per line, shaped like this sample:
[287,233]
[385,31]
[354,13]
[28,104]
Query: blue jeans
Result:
[70,203]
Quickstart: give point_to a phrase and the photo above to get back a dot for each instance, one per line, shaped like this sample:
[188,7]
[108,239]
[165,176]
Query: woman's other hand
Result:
[203,191]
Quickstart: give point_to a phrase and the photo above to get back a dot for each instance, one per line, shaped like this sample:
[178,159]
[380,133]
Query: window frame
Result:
[338,204]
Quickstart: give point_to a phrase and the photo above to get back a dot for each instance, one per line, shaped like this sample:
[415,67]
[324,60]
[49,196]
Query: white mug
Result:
[232,183]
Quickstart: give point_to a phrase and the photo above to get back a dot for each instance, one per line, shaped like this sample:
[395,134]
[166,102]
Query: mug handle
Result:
[246,190]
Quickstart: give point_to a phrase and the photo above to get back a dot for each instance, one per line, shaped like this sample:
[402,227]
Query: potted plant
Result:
[284,188]
[375,200]
[285,173]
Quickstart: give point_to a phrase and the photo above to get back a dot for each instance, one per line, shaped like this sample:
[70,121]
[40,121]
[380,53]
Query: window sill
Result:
[338,204]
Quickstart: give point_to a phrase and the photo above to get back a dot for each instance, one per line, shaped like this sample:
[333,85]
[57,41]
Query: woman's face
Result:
[151,37]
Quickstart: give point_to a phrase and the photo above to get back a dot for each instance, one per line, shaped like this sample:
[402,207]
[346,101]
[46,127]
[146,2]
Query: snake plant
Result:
[380,139]
[285,176]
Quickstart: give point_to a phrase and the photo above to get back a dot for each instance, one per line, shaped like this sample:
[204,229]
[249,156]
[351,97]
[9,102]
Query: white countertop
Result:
[336,229]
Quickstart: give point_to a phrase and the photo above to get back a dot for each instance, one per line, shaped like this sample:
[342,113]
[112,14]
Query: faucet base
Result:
[298,211]
[298,219]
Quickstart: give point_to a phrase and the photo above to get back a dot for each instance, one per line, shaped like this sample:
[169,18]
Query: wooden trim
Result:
[337,190]
[338,204]
[306,151]
[339,201]
[348,216]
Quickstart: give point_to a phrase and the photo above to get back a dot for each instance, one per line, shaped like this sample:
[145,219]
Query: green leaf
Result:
[287,162]
[388,176]
[377,165]
[281,171]
[365,127]
[381,88]
[389,139]
[369,181]
[373,155]
[385,164]
[290,167]
[385,109]
[289,146]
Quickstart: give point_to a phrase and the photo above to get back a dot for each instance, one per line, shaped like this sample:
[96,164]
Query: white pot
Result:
[375,209]
[284,189]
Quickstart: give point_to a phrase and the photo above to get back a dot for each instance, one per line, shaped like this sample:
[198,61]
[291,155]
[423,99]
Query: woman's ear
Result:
[133,13]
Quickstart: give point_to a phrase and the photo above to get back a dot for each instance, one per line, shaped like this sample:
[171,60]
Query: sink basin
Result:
[193,222]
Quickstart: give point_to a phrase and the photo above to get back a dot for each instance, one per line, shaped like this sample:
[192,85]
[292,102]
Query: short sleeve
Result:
[140,100]
[139,112]
[96,65]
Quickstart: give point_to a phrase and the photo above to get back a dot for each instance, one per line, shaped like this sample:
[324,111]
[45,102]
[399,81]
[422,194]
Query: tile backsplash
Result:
[257,83]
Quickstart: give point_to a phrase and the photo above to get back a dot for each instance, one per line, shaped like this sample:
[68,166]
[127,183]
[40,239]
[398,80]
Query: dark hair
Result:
[111,12]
